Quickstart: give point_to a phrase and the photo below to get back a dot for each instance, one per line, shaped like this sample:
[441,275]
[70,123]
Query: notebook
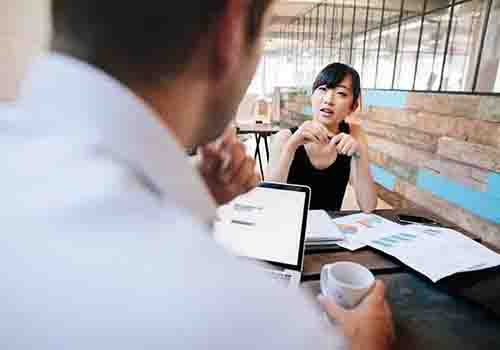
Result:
[321,228]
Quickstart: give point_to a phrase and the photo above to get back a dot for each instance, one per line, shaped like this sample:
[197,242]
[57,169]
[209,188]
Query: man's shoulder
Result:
[126,262]
[52,173]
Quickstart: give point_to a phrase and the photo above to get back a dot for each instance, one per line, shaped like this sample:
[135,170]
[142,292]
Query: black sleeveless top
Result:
[328,185]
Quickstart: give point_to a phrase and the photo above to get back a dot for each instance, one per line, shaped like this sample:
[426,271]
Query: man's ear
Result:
[230,38]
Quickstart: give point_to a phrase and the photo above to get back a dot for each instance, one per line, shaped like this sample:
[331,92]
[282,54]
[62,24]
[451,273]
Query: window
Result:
[430,45]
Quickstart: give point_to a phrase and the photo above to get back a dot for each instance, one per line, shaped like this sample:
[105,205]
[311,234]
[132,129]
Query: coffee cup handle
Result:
[324,281]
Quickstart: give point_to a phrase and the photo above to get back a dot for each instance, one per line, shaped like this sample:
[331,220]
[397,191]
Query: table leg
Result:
[257,154]
[267,148]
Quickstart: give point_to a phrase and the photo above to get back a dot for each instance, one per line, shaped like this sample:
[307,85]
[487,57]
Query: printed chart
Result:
[361,228]
[434,251]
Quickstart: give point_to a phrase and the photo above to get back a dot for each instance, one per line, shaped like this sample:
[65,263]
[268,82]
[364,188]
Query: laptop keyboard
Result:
[282,278]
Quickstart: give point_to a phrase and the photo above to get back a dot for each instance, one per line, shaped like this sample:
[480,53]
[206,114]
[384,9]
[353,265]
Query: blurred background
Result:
[431,95]
[430,101]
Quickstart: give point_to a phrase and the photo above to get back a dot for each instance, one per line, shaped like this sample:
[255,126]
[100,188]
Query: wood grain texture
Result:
[462,173]
[401,169]
[394,116]
[456,105]
[456,137]
[395,199]
[472,130]
[414,138]
[486,230]
[489,108]
[485,157]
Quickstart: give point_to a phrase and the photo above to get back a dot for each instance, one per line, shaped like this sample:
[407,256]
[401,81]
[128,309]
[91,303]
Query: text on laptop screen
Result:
[264,224]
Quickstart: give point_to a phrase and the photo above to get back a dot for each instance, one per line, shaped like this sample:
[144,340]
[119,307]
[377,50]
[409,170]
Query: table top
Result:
[371,258]
[460,311]
[257,128]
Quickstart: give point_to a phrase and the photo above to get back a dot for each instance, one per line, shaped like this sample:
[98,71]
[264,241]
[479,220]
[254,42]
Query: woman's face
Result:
[331,106]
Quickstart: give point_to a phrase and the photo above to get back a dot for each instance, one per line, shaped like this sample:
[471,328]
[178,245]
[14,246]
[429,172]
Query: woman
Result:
[326,152]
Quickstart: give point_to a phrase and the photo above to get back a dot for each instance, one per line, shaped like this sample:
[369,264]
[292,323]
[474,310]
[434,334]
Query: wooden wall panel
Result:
[457,105]
[461,173]
[395,199]
[472,130]
[401,169]
[436,151]
[485,157]
[413,138]
[409,196]
[489,108]
[399,117]
[484,229]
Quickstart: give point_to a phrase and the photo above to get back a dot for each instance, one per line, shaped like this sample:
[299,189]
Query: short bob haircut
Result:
[334,73]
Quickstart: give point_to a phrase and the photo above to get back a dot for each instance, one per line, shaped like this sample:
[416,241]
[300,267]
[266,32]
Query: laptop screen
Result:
[268,223]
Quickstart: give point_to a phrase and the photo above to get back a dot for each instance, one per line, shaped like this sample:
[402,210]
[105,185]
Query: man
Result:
[225,167]
[107,227]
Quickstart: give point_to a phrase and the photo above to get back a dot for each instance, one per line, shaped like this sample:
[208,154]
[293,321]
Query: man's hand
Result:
[226,168]
[368,326]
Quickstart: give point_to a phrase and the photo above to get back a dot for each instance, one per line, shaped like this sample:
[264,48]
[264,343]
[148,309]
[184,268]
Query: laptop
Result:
[268,225]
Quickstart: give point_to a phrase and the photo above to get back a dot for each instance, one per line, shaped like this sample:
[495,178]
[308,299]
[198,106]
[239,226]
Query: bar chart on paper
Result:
[434,252]
[359,229]
[394,240]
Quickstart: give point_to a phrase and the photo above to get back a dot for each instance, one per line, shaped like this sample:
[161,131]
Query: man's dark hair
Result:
[334,73]
[141,40]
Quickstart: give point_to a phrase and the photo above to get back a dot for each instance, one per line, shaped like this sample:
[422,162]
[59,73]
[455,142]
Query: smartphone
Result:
[412,219]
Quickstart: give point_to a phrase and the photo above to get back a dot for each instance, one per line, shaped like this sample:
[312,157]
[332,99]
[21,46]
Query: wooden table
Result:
[261,131]
[458,312]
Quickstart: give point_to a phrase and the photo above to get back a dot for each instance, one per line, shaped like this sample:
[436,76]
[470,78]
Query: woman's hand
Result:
[345,144]
[369,326]
[226,168]
[309,131]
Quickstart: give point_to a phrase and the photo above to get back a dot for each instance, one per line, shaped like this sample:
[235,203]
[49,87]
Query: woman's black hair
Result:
[334,73]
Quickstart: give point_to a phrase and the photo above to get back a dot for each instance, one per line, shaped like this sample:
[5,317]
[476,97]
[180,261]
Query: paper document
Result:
[435,252]
[320,227]
[358,229]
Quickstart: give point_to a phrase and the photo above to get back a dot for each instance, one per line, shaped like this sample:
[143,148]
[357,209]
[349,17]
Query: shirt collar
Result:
[68,95]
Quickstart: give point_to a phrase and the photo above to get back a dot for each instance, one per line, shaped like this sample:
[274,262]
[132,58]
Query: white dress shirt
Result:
[105,238]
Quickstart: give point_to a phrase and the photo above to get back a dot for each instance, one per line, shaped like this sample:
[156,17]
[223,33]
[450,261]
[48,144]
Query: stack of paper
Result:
[321,229]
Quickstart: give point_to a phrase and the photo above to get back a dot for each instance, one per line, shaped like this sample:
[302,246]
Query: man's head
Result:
[24,34]
[208,49]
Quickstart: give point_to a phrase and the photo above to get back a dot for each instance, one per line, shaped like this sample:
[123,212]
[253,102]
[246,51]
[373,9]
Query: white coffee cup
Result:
[346,282]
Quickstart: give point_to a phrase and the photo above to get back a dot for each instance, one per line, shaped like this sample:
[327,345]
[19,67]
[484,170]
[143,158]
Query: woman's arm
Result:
[361,178]
[282,153]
